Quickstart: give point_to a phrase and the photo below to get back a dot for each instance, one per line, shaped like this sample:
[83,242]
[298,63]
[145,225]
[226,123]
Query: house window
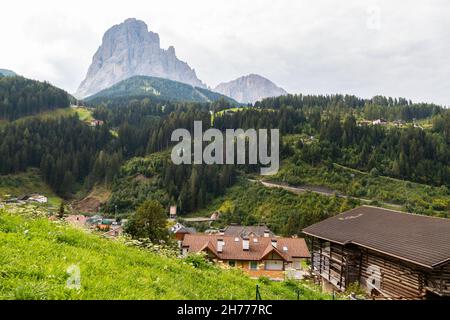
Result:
[232,263]
[274,265]
[326,247]
[253,265]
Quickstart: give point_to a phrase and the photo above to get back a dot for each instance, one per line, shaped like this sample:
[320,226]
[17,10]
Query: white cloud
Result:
[320,46]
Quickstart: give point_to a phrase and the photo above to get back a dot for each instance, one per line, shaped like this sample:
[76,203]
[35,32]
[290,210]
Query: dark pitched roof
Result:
[418,239]
[246,231]
[186,230]
[232,250]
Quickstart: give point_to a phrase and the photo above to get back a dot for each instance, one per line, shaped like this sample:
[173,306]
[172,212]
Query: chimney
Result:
[245,244]
[220,245]
[274,243]
[266,233]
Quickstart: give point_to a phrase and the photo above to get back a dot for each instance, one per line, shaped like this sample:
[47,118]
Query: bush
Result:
[198,260]
[149,221]
[264,280]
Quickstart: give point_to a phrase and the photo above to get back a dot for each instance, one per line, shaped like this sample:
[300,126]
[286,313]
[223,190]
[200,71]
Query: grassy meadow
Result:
[36,255]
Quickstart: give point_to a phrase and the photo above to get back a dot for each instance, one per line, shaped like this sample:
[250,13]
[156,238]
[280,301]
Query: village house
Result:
[100,223]
[106,224]
[247,231]
[379,122]
[38,198]
[32,198]
[215,216]
[364,123]
[76,220]
[179,231]
[96,123]
[257,256]
[398,123]
[390,254]
[114,231]
[94,220]
[173,212]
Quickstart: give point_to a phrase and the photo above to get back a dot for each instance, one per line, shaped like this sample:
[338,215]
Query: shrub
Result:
[198,260]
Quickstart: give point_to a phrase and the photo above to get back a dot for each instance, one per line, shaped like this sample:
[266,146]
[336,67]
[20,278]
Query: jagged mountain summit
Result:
[249,89]
[130,49]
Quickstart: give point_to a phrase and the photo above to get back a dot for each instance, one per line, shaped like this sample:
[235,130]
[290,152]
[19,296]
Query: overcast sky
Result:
[395,48]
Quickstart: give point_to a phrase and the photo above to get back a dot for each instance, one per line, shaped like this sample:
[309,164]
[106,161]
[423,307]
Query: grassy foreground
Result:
[36,253]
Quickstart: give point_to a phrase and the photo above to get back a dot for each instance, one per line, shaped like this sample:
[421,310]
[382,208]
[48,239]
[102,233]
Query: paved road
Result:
[320,190]
[198,219]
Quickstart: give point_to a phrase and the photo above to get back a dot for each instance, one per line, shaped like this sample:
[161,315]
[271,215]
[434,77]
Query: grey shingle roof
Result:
[245,231]
[418,239]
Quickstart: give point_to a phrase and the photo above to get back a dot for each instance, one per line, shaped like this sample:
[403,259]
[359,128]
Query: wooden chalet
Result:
[390,254]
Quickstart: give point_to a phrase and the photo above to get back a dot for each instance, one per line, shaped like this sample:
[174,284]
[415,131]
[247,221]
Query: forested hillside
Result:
[65,150]
[332,134]
[156,177]
[159,89]
[21,97]
[378,107]
[320,135]
[285,213]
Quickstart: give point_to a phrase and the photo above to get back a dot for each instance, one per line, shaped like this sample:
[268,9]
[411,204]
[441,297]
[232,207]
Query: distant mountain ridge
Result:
[250,88]
[130,49]
[7,73]
[158,88]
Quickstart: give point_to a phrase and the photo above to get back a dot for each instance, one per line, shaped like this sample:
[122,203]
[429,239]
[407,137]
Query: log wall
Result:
[381,275]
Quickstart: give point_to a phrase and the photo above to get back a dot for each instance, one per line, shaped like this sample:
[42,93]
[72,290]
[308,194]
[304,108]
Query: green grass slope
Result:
[36,253]
[158,88]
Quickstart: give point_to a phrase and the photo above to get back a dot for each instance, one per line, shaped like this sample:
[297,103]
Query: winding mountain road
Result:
[319,190]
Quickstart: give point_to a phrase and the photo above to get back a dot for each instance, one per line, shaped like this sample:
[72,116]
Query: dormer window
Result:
[246,244]
[274,243]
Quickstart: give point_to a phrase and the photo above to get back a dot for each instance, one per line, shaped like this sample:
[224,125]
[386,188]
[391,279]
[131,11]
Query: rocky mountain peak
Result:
[250,88]
[130,49]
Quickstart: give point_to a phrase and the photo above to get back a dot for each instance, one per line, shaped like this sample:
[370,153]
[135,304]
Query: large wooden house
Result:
[274,257]
[391,254]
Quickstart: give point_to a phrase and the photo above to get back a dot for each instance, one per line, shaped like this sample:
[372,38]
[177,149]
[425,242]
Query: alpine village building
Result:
[273,257]
[392,255]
